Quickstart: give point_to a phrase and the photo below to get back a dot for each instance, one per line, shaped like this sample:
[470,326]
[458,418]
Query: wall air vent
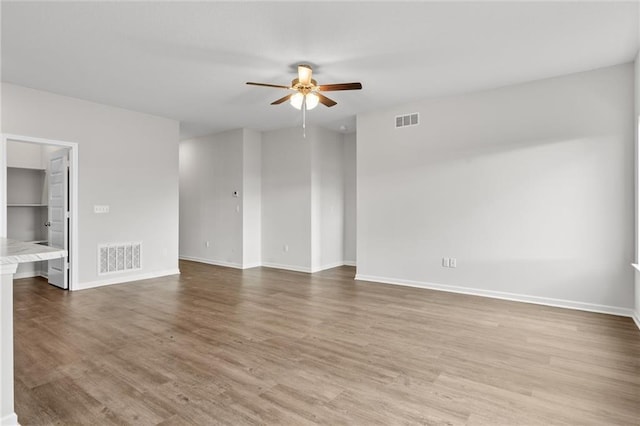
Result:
[119,257]
[407,120]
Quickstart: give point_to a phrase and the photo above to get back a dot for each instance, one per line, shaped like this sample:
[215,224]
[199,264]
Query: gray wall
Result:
[216,226]
[328,199]
[291,199]
[210,171]
[128,160]
[286,199]
[302,199]
[349,162]
[530,187]
[252,198]
[636,125]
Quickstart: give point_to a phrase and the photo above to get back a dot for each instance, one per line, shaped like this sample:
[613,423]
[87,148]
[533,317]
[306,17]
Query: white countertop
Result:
[12,251]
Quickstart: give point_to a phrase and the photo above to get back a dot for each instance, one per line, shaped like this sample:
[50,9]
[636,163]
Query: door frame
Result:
[74,251]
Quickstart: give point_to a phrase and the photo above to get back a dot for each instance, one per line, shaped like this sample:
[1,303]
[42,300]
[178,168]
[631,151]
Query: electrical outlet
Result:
[445,262]
[207,244]
[100,209]
[453,262]
[285,248]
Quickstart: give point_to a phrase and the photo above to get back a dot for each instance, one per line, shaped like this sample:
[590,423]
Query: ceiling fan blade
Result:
[281,100]
[304,74]
[268,85]
[325,101]
[339,86]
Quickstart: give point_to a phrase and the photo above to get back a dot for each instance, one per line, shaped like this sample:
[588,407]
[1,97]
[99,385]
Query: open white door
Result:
[58,222]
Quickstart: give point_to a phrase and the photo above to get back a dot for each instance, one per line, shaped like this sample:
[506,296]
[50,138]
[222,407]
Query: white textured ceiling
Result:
[189,61]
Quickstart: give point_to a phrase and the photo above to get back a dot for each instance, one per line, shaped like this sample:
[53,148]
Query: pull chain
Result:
[304,118]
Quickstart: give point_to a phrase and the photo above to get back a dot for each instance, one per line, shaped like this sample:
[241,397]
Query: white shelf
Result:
[38,242]
[26,205]
[27,168]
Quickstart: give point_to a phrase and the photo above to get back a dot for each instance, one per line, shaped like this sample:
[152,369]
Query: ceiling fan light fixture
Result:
[312,100]
[296,100]
[307,92]
[304,74]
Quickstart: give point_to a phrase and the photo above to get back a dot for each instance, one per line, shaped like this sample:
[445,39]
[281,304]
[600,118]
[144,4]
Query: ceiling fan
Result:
[306,91]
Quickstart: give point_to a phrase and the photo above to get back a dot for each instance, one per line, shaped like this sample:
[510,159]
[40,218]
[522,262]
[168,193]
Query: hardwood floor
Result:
[262,346]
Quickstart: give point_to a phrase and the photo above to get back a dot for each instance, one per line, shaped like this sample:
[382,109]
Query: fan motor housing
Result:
[304,88]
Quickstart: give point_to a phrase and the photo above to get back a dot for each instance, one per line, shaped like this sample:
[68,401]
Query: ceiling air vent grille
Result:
[407,120]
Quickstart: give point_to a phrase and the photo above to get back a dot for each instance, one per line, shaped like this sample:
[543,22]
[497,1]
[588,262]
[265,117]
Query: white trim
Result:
[635,315]
[30,274]
[128,278]
[8,268]
[211,262]
[3,187]
[287,267]
[9,420]
[267,264]
[547,301]
[26,274]
[74,165]
[328,266]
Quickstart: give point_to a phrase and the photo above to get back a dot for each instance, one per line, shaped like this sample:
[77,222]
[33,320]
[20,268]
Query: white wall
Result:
[286,199]
[291,199]
[25,155]
[210,171]
[302,199]
[27,224]
[216,226]
[316,200]
[327,198]
[128,160]
[530,187]
[349,162]
[252,198]
[636,126]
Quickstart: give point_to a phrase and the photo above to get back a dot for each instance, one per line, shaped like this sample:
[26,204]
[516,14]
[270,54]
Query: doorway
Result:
[39,201]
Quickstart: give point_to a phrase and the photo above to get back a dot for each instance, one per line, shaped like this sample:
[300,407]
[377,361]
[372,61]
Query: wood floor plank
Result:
[221,346]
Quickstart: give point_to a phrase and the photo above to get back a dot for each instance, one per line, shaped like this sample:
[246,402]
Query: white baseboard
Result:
[9,420]
[295,268]
[303,268]
[636,318]
[349,262]
[547,301]
[328,266]
[26,274]
[287,267]
[126,279]
[30,274]
[238,266]
[213,262]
